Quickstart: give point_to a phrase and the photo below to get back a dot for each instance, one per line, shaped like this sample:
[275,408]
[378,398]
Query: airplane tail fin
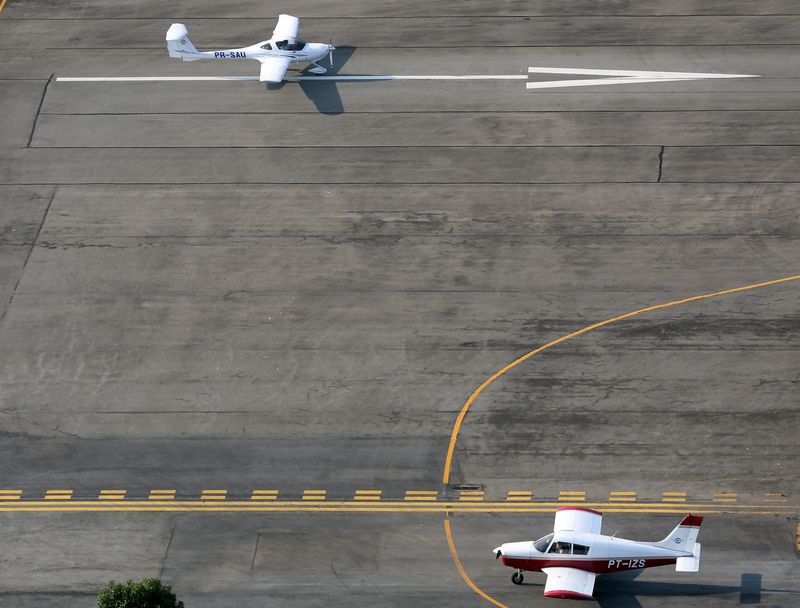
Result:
[179,45]
[683,538]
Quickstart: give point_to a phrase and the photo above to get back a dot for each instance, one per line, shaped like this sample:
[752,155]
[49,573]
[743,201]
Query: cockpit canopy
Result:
[290,45]
[547,545]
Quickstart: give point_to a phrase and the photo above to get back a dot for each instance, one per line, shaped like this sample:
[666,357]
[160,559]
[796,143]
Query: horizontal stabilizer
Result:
[689,564]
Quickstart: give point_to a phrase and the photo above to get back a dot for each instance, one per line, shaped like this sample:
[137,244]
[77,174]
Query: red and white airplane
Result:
[575,553]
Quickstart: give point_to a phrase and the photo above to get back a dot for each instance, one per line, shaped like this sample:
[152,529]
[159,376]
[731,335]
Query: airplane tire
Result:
[517,578]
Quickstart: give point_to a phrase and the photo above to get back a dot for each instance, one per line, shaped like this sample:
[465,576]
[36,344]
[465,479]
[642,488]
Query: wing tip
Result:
[567,594]
[584,509]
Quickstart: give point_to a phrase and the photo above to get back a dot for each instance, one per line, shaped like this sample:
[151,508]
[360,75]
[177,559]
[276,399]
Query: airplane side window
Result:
[560,547]
[282,44]
[267,47]
[580,550]
[541,544]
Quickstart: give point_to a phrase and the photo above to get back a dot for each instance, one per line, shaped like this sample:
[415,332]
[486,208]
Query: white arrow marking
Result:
[624,77]
[621,77]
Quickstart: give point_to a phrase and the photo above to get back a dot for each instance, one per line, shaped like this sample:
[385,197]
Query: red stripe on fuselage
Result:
[596,565]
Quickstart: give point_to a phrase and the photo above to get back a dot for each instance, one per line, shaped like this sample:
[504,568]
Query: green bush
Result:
[146,593]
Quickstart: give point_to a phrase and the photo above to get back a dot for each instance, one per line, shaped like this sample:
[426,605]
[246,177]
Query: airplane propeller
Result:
[331,48]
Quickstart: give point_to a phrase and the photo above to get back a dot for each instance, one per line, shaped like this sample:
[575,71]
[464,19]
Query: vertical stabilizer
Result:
[179,45]
[683,537]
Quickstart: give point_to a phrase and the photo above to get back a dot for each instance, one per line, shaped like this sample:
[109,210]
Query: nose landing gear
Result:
[517,577]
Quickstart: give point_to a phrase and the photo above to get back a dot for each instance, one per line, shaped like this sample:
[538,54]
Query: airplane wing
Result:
[287,27]
[273,69]
[578,519]
[569,582]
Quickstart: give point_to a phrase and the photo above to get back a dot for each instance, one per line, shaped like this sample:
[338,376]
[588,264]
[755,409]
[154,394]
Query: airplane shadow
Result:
[324,94]
[622,590]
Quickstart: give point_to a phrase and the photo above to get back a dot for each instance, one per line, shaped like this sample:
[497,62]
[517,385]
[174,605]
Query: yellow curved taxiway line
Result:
[485,384]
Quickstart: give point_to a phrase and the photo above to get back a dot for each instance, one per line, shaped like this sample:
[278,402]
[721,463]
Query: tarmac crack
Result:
[39,109]
[166,551]
[28,257]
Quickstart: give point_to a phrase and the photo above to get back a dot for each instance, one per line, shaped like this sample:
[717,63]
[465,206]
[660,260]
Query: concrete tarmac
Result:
[213,285]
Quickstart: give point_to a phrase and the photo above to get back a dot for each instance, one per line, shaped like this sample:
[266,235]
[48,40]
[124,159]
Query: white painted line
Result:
[339,78]
[413,77]
[150,78]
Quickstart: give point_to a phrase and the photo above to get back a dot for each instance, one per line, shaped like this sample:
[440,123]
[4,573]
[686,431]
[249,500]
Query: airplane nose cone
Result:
[498,551]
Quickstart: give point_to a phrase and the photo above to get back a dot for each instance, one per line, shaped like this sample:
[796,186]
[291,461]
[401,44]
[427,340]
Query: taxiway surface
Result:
[209,285]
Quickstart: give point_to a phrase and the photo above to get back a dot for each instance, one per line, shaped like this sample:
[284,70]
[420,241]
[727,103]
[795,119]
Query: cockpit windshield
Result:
[286,45]
[542,544]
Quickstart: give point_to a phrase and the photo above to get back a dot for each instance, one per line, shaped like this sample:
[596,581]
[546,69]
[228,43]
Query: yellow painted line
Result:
[622,496]
[572,496]
[797,536]
[368,495]
[422,495]
[673,496]
[264,495]
[471,495]
[2,5]
[519,495]
[161,495]
[58,495]
[448,461]
[725,497]
[10,494]
[770,497]
[314,494]
[457,561]
[112,494]
[214,495]
[171,505]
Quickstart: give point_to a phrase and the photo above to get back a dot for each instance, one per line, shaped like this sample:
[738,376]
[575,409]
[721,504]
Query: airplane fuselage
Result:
[604,554]
[311,52]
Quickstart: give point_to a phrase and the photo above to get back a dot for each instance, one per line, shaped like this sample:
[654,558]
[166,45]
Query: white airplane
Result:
[274,54]
[575,553]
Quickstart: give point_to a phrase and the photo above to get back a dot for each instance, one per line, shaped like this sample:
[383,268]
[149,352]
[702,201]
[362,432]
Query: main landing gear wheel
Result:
[517,578]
